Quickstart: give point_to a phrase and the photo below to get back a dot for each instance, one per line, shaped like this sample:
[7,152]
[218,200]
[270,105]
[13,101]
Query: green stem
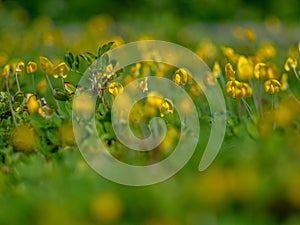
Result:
[52,90]
[10,100]
[33,84]
[18,84]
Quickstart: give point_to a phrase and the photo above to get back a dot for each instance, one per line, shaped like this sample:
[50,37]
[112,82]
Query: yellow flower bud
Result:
[244,68]
[180,77]
[46,65]
[272,86]
[166,107]
[284,83]
[290,63]
[31,67]
[216,69]
[115,88]
[260,70]
[228,52]
[20,67]
[229,72]
[250,35]
[32,103]
[5,71]
[61,70]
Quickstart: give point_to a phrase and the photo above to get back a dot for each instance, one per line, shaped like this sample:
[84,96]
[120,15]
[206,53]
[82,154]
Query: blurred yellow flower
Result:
[244,68]
[260,70]
[290,63]
[299,46]
[229,72]
[31,67]
[20,67]
[154,99]
[115,88]
[265,51]
[209,79]
[24,138]
[180,76]
[284,83]
[272,86]
[5,71]
[228,52]
[46,65]
[272,71]
[250,35]
[33,104]
[166,107]
[216,70]
[61,70]
[106,207]
[42,86]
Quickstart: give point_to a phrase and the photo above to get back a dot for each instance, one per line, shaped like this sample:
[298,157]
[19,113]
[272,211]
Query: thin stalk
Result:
[295,72]
[248,108]
[255,98]
[52,90]
[63,83]
[10,101]
[18,84]
[33,84]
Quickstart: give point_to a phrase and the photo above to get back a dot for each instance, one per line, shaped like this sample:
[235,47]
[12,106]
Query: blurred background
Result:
[252,181]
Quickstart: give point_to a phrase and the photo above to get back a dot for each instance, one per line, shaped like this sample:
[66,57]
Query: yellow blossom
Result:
[166,107]
[20,67]
[5,71]
[272,86]
[229,72]
[244,68]
[260,70]
[216,69]
[265,51]
[46,65]
[31,67]
[290,63]
[272,71]
[284,83]
[209,79]
[180,76]
[32,103]
[42,86]
[24,138]
[115,88]
[106,207]
[228,52]
[61,70]
[238,89]
[250,35]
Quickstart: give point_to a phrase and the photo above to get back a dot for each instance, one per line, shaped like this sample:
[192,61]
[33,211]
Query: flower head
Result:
[216,69]
[229,72]
[272,86]
[284,83]
[260,70]
[61,70]
[244,68]
[31,67]
[6,71]
[20,67]
[290,63]
[166,107]
[115,88]
[180,76]
[46,65]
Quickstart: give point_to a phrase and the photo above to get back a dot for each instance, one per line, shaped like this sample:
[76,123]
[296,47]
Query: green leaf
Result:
[52,136]
[104,48]
[86,59]
[37,121]
[55,120]
[76,62]
[69,59]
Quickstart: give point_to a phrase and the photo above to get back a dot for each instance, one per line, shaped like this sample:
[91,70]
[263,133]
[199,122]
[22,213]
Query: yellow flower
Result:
[250,35]
[244,68]
[265,51]
[5,71]
[238,89]
[260,70]
[61,70]
[209,79]
[115,88]
[284,83]
[228,52]
[272,71]
[20,67]
[42,86]
[31,67]
[229,72]
[46,65]
[32,103]
[24,138]
[106,207]
[180,76]
[299,46]
[290,63]
[166,107]
[216,69]
[272,86]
